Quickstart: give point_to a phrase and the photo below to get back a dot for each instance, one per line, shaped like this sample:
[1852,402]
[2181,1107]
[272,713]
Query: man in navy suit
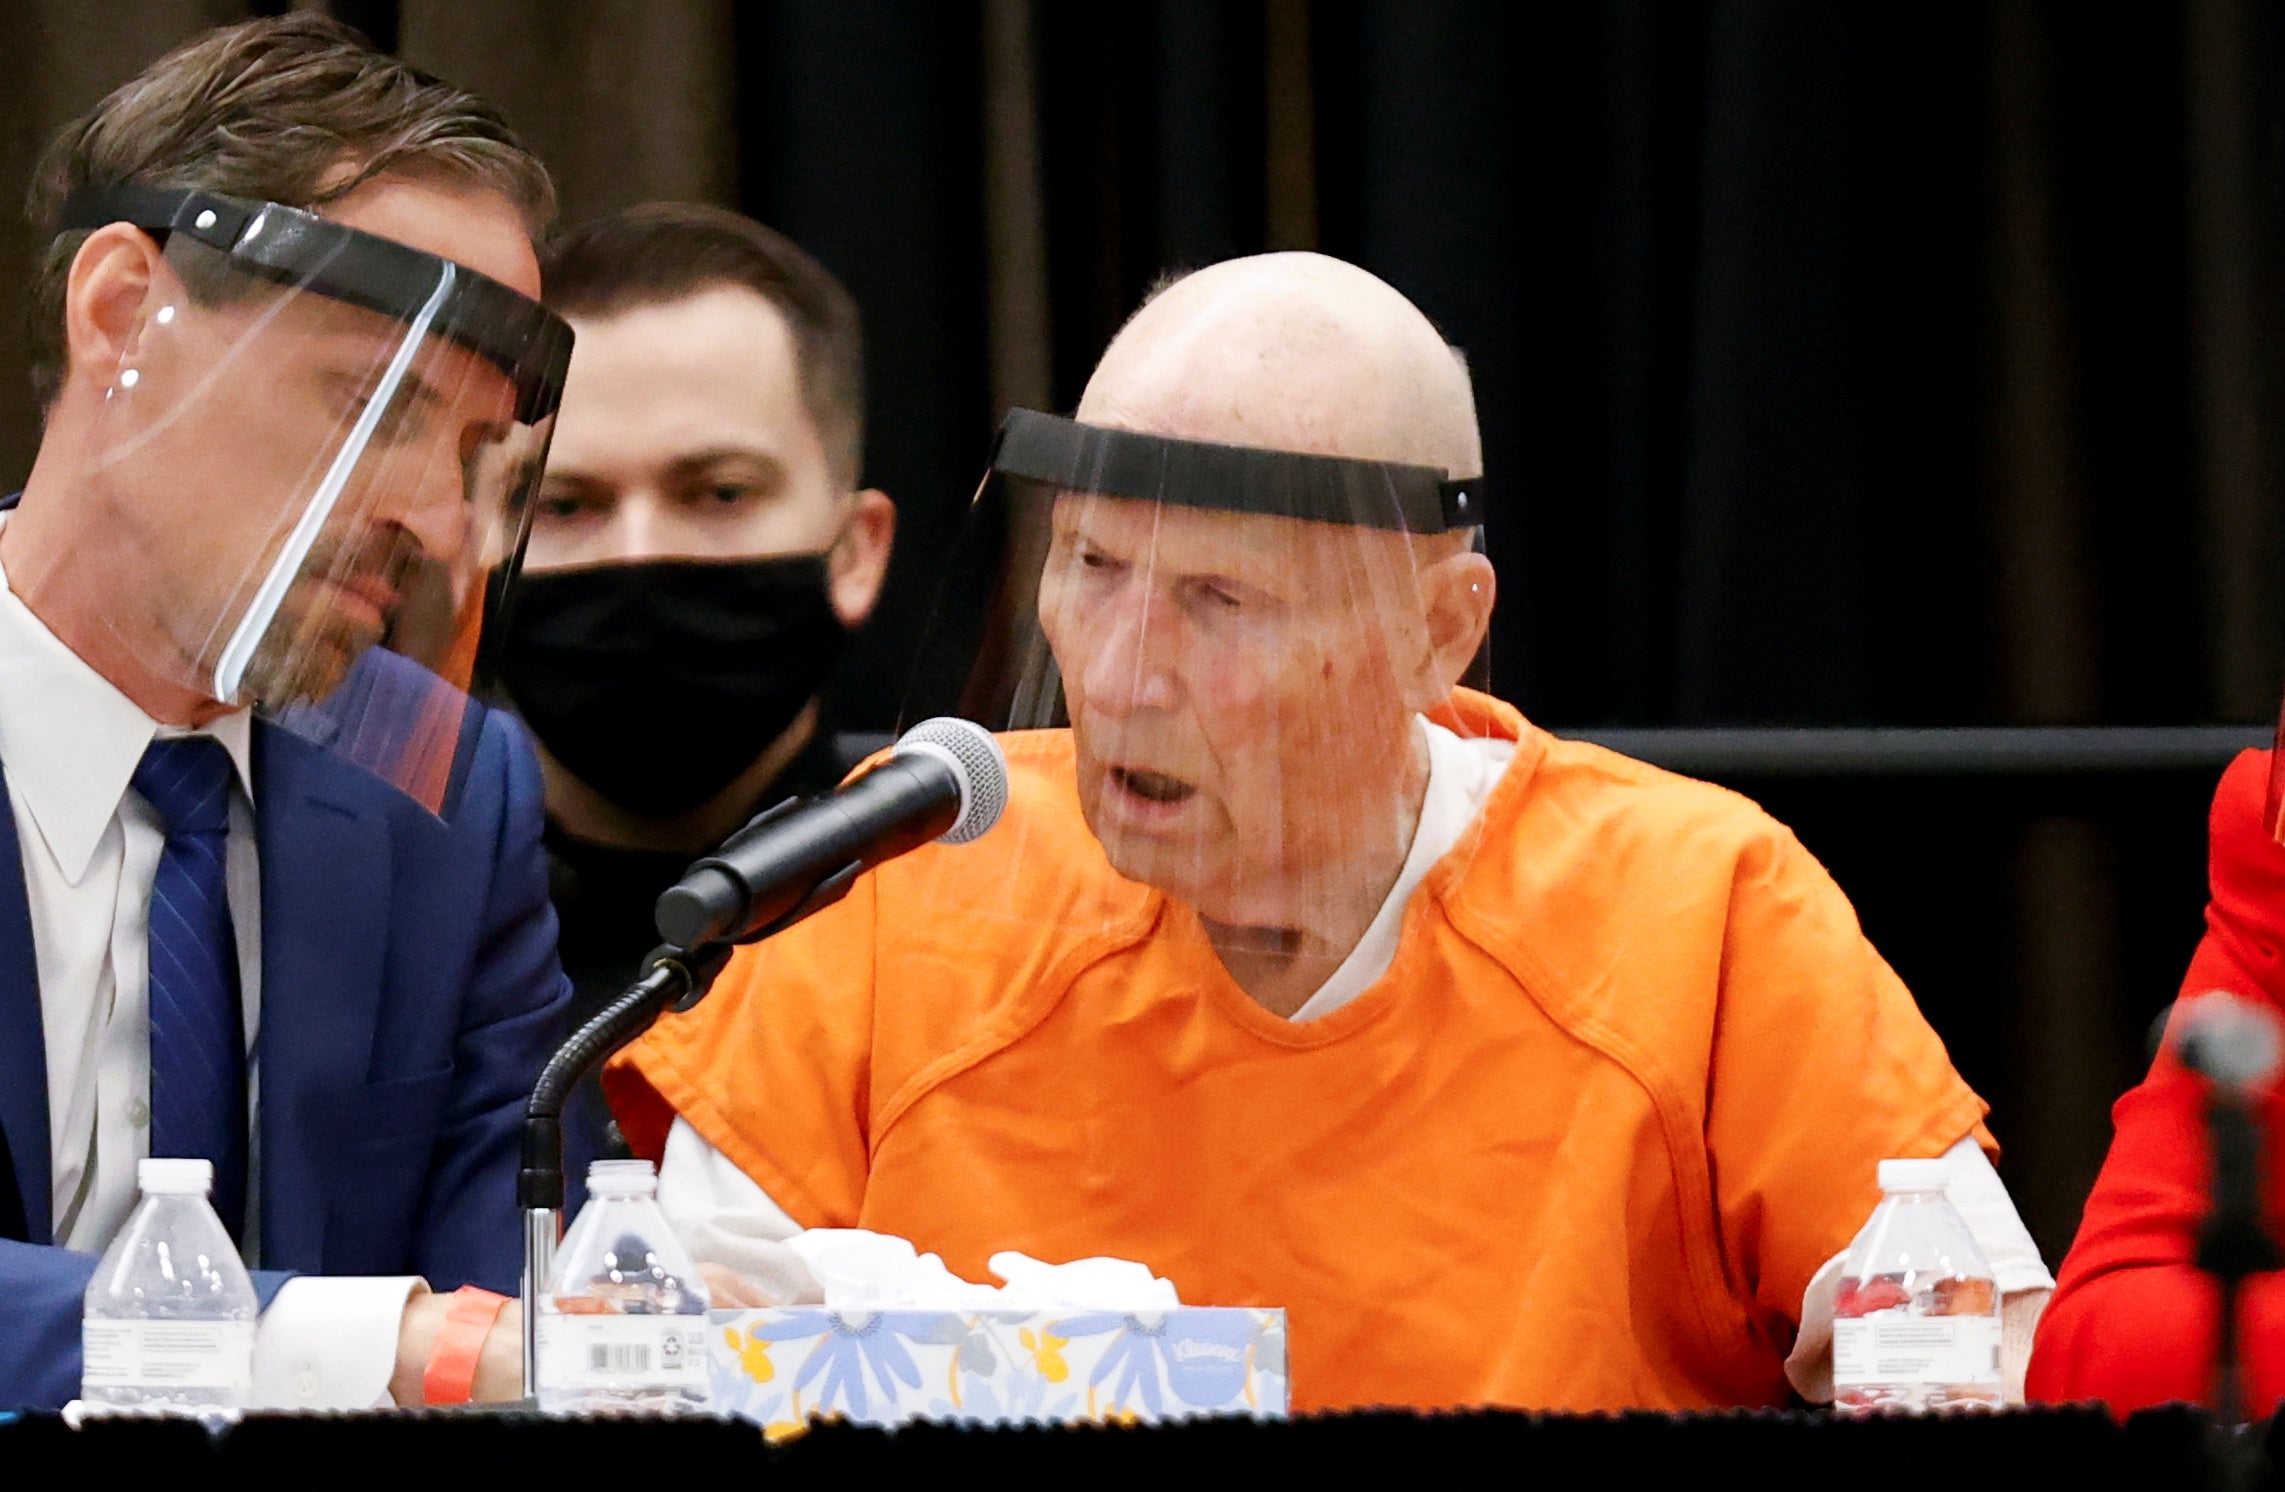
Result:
[271,886]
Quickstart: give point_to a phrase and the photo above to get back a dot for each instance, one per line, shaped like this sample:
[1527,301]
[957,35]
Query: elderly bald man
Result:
[1516,1071]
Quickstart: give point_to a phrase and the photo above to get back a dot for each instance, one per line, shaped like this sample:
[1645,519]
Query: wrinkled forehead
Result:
[1181,539]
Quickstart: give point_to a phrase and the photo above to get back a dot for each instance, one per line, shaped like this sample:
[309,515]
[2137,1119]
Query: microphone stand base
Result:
[543,1230]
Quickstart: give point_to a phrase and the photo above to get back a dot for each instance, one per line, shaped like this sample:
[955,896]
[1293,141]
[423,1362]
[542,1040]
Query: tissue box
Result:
[781,1366]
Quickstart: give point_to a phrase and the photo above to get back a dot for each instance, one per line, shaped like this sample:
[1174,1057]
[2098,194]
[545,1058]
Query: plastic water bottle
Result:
[1916,1322]
[622,1323]
[168,1326]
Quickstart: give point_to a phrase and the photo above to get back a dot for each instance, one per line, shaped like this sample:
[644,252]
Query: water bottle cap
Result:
[622,1178]
[175,1177]
[1914,1175]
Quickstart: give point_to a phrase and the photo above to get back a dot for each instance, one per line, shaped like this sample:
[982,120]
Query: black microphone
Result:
[944,779]
[2233,1043]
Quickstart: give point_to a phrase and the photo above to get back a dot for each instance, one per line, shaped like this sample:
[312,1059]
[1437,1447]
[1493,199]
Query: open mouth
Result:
[1153,787]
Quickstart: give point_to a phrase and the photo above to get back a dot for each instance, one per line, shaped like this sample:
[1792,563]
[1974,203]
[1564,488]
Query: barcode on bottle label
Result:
[618,1357]
[167,1354]
[1880,1349]
[612,1351]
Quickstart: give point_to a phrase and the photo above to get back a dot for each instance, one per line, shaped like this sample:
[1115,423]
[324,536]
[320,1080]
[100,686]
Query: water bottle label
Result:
[1887,1348]
[622,1352]
[167,1354]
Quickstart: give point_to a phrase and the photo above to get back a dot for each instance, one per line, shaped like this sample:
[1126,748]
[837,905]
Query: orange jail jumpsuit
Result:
[1620,1094]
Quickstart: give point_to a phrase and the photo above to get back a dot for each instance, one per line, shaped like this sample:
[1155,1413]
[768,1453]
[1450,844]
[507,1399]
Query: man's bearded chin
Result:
[312,644]
[307,652]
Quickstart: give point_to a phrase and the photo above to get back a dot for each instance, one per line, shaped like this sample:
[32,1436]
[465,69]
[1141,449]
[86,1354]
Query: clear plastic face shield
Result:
[311,474]
[1242,642]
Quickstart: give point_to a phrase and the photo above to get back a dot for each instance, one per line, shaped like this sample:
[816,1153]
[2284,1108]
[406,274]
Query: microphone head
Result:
[975,759]
[2226,1039]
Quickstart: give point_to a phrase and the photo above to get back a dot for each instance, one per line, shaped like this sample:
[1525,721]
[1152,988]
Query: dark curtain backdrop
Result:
[1881,363]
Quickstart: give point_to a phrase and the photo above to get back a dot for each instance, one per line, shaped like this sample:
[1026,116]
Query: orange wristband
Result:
[452,1357]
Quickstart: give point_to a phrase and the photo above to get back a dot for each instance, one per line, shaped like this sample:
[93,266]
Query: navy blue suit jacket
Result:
[409,996]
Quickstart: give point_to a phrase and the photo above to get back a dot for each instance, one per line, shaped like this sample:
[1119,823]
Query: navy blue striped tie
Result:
[198,1033]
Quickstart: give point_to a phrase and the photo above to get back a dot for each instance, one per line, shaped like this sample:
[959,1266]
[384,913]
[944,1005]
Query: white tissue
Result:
[1081,1285]
[864,1271]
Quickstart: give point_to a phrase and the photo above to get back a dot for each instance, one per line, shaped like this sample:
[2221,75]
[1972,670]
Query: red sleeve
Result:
[2132,1321]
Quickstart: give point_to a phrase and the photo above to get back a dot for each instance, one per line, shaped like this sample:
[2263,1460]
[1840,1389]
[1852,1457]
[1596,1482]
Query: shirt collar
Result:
[72,741]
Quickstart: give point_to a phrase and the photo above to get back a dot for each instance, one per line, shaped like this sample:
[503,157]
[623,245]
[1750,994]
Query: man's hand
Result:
[499,1368]
[729,1290]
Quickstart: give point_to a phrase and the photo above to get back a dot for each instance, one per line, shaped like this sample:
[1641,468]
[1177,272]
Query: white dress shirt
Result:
[724,1216]
[90,845]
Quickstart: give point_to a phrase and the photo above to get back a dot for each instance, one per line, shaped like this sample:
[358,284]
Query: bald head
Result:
[1242,686]
[1292,352]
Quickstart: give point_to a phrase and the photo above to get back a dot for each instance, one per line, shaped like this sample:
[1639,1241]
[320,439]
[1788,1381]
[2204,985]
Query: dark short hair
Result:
[268,109]
[667,251]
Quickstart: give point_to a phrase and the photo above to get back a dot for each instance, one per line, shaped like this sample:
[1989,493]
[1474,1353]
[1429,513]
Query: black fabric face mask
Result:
[658,683]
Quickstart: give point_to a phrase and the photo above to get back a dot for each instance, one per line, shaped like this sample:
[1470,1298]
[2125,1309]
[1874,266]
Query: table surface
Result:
[2061,1448]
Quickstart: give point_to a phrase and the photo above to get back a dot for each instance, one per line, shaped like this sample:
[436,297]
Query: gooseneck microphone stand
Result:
[2235,1045]
[672,979]
[2234,1243]
[945,779]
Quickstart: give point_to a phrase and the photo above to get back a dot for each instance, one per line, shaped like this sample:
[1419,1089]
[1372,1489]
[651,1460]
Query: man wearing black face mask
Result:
[698,554]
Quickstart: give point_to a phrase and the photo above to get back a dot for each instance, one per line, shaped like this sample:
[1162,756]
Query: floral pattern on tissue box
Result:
[781,1366]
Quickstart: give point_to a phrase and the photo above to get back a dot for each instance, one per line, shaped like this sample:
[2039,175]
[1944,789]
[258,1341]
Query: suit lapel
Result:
[325,850]
[23,1044]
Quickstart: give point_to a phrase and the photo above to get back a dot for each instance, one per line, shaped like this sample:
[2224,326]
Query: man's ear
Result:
[105,299]
[859,559]
[1457,592]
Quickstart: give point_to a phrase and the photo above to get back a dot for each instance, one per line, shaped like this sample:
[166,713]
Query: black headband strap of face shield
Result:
[525,340]
[1240,479]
